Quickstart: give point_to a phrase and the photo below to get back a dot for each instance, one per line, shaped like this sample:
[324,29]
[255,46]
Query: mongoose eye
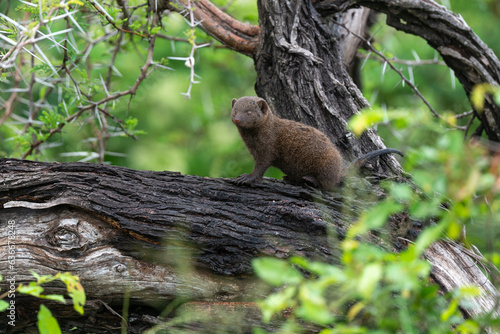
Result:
[249,112]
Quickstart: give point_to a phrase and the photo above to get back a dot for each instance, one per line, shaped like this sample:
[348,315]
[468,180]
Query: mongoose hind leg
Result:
[311,180]
[305,180]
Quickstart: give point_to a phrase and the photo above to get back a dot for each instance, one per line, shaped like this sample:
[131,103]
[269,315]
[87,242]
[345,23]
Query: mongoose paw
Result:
[245,179]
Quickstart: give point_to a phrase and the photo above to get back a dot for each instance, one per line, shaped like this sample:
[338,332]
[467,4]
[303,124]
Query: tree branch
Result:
[236,35]
[462,50]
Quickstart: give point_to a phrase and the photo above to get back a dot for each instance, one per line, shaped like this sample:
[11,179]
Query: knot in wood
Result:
[120,268]
[66,238]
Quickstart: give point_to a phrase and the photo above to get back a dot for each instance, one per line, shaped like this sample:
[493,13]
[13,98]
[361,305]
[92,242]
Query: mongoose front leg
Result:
[257,174]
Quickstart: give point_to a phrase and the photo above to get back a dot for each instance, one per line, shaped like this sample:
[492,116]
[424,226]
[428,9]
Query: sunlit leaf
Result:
[364,120]
[47,324]
[370,277]
[275,271]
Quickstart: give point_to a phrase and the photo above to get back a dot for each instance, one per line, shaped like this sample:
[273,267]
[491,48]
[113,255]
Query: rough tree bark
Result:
[138,231]
[120,222]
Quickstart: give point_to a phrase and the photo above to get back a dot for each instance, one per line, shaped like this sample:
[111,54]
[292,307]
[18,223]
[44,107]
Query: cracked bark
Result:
[160,236]
[157,235]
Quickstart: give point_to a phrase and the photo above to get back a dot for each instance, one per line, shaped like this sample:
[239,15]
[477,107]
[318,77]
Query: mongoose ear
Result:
[263,105]
[233,102]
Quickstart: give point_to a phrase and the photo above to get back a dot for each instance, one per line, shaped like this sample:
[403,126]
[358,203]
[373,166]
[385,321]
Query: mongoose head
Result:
[249,112]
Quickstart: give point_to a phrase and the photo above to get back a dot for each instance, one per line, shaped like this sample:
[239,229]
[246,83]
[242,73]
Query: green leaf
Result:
[328,273]
[354,310]
[375,218]
[401,191]
[312,312]
[3,305]
[31,289]
[51,119]
[406,274]
[370,277]
[452,308]
[59,298]
[469,326]
[425,208]
[469,291]
[75,290]
[47,324]
[428,236]
[362,121]
[454,230]
[478,94]
[313,306]
[277,302]
[275,271]
[155,30]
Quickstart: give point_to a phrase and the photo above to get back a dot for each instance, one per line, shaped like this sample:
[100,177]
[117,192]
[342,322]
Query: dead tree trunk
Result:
[123,230]
[160,236]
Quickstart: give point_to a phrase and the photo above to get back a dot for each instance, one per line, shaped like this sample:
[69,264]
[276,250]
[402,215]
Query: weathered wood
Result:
[157,236]
[157,208]
[453,267]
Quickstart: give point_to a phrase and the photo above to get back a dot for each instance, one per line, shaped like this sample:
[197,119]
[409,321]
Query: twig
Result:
[143,75]
[113,59]
[465,114]
[189,61]
[404,61]
[211,43]
[119,122]
[405,80]
[110,19]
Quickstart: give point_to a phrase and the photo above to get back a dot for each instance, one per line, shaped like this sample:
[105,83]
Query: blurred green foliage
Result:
[46,323]
[196,136]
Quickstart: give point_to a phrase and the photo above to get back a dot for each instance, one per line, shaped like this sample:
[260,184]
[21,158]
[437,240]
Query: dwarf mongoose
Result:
[302,152]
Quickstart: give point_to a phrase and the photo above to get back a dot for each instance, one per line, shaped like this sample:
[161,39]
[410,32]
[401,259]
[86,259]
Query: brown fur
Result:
[302,152]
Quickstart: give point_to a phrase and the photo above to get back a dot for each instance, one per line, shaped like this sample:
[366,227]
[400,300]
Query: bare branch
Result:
[236,35]
[419,62]
[462,50]
[110,19]
[403,77]
[94,105]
